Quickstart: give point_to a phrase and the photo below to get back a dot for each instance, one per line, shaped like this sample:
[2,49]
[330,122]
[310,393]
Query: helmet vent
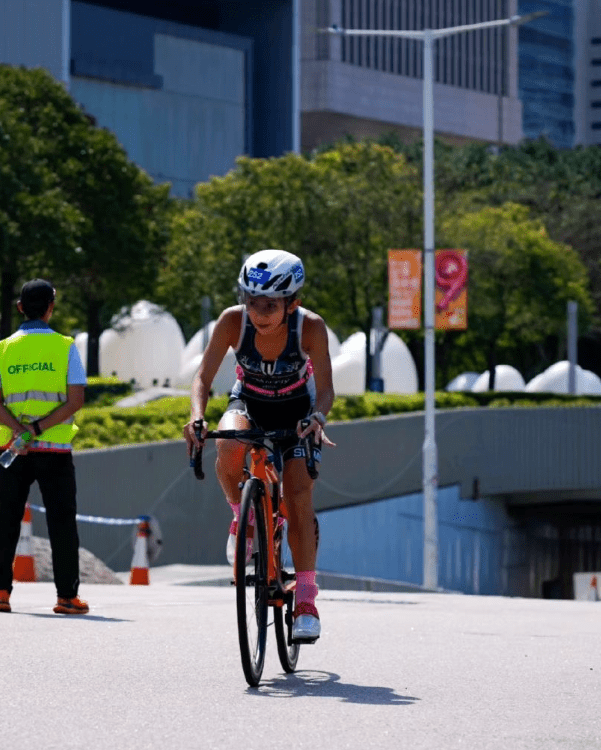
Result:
[284,284]
[271,282]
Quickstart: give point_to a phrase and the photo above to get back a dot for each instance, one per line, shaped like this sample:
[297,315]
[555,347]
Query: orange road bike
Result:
[264,581]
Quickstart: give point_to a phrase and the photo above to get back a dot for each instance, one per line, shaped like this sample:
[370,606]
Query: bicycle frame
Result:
[271,585]
[263,469]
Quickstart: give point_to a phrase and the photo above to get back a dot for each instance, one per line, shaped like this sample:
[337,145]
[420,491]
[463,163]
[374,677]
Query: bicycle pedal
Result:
[305,641]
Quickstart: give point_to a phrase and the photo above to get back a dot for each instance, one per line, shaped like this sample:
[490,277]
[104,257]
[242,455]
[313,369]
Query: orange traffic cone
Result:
[139,564]
[593,594]
[23,566]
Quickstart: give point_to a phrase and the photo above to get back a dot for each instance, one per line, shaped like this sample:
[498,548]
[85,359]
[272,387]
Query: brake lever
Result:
[308,444]
[196,455]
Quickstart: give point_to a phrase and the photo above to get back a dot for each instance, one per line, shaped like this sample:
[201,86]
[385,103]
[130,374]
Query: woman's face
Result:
[266,313]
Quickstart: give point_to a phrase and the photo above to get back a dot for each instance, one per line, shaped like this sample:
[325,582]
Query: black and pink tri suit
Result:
[274,394]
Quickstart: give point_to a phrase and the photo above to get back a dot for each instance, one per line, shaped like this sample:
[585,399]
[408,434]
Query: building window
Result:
[596,61]
[596,40]
[596,104]
[596,126]
[595,83]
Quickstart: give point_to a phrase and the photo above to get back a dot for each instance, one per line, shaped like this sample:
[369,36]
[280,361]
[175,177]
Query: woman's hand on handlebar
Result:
[316,428]
[191,436]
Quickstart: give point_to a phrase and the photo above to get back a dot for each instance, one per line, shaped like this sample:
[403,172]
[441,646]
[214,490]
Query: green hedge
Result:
[102,426]
[162,419]
[105,391]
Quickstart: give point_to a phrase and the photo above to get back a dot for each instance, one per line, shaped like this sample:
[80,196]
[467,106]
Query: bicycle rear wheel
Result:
[282,616]
[251,584]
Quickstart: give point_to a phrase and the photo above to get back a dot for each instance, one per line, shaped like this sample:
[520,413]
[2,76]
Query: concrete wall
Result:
[521,458]
[332,86]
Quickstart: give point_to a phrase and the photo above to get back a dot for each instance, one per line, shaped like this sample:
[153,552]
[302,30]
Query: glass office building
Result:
[546,72]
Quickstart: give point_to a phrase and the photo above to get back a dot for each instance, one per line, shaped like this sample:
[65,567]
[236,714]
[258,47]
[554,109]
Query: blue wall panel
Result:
[263,28]
[179,98]
[384,539]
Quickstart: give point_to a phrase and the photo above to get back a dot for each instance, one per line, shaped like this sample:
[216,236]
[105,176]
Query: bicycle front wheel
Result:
[282,616]
[252,583]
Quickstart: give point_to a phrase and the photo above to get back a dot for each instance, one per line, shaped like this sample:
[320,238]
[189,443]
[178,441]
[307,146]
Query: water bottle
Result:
[9,455]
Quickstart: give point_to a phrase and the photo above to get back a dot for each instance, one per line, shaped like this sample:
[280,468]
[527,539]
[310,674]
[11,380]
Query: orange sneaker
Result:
[74,606]
[4,601]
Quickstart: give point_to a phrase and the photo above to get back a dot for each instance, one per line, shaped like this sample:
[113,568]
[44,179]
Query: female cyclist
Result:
[284,375]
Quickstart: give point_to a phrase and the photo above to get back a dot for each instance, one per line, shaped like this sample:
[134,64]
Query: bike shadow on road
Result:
[91,618]
[328,685]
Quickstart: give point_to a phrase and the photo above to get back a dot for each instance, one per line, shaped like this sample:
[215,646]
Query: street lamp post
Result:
[429,450]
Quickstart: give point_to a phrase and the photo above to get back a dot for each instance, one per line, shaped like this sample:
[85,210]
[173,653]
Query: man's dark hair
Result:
[36,296]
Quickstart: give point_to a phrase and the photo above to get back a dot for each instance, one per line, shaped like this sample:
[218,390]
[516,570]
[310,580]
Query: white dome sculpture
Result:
[196,345]
[555,379]
[192,356]
[354,344]
[223,380]
[333,343]
[398,368]
[591,383]
[507,378]
[463,382]
[146,344]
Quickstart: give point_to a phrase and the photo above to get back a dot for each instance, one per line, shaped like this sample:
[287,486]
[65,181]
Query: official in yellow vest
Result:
[42,382]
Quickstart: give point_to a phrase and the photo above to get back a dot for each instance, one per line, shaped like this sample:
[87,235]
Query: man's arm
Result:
[74,402]
[8,418]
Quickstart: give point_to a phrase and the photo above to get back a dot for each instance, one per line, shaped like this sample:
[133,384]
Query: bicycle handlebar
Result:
[256,436]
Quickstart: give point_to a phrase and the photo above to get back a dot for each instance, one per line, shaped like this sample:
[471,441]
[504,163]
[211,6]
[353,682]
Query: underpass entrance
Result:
[561,539]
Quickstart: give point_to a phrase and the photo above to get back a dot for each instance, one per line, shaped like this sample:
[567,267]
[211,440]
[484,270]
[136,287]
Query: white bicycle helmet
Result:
[271,273]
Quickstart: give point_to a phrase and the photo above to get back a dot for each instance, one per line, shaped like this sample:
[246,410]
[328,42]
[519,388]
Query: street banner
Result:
[404,289]
[451,290]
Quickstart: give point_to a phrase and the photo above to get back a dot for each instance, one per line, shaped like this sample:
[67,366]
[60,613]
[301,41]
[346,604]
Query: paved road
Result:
[158,667]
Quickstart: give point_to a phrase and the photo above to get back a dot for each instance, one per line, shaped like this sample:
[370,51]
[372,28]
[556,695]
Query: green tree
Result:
[519,283]
[36,220]
[118,215]
[340,211]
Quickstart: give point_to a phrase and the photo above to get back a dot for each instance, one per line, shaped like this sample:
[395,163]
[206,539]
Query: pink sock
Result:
[306,588]
[236,511]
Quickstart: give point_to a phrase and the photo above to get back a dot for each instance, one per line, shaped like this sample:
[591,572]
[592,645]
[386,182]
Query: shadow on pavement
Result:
[328,685]
[94,618]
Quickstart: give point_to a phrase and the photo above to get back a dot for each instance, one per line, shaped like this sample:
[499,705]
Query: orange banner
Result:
[451,290]
[404,288]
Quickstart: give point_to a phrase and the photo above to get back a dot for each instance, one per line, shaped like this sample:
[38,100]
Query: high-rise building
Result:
[186,85]
[560,72]
[547,71]
[587,89]
[366,86]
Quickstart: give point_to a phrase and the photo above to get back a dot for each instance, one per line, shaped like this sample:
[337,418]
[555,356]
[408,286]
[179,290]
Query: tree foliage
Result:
[343,208]
[75,209]
[340,211]
[98,225]
[520,283]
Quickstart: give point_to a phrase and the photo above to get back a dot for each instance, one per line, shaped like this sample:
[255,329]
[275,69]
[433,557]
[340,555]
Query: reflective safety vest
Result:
[33,368]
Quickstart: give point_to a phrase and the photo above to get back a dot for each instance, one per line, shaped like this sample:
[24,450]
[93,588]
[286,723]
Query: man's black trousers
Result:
[55,475]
